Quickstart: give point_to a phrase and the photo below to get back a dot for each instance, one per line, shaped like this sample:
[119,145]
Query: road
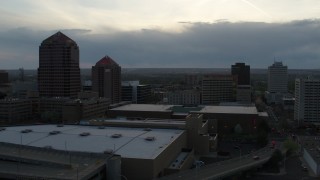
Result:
[225,168]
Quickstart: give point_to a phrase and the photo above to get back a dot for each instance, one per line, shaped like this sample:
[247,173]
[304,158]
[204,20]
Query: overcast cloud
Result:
[209,45]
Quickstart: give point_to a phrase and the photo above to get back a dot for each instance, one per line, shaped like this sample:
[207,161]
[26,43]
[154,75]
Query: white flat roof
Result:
[143,107]
[132,144]
[229,109]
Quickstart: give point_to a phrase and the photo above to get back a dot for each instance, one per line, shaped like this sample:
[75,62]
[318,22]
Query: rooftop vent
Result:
[54,132]
[147,129]
[116,135]
[26,131]
[150,138]
[2,128]
[84,134]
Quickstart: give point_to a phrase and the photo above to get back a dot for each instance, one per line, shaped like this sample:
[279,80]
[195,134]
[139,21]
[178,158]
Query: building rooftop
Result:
[44,163]
[127,142]
[229,109]
[58,37]
[106,61]
[144,107]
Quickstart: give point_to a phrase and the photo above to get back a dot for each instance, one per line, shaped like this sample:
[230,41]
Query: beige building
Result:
[79,109]
[145,153]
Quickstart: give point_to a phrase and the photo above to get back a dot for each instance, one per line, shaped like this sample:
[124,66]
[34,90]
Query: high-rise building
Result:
[217,89]
[59,72]
[106,79]
[277,82]
[278,78]
[242,71]
[307,101]
[135,92]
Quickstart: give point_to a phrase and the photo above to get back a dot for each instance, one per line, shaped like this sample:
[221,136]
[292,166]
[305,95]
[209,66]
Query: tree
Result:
[262,133]
[290,146]
[238,129]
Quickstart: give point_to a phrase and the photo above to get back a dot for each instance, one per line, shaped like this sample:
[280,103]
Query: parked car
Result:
[255,157]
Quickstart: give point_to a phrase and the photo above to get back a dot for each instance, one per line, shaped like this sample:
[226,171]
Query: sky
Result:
[166,33]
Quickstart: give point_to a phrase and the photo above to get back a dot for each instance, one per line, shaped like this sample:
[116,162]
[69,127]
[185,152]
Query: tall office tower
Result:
[277,78]
[307,101]
[242,71]
[59,72]
[277,82]
[106,79]
[217,89]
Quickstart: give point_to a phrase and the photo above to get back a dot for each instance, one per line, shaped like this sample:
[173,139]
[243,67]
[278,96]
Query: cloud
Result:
[216,45]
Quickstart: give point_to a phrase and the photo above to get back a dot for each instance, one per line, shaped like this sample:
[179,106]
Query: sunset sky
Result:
[167,33]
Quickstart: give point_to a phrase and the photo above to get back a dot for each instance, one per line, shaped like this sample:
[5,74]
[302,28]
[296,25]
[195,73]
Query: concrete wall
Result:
[311,163]
[142,114]
[141,169]
[169,154]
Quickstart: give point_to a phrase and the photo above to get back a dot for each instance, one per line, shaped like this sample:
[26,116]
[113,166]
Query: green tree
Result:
[262,133]
[290,146]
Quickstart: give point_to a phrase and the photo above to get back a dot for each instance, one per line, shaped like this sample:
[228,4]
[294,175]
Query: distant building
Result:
[78,109]
[59,72]
[135,92]
[5,86]
[20,89]
[15,110]
[51,109]
[277,82]
[244,94]
[143,94]
[307,101]
[217,89]
[183,97]
[242,72]
[192,79]
[87,85]
[129,91]
[106,79]
[4,77]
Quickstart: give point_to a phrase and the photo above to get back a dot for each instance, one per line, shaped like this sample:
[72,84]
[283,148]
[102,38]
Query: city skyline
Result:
[148,34]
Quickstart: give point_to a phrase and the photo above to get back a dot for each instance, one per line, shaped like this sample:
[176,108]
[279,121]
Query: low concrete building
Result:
[228,117]
[145,153]
[224,117]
